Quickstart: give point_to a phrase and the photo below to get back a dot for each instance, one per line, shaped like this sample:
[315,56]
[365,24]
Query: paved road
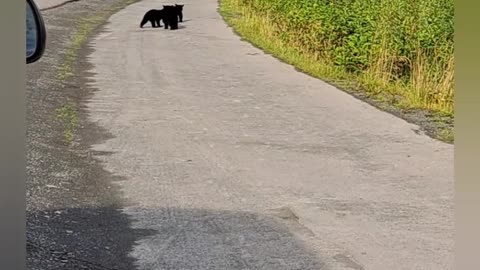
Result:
[46,4]
[237,161]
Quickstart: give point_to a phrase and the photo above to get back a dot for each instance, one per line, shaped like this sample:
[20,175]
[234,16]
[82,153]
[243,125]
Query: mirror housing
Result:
[36,34]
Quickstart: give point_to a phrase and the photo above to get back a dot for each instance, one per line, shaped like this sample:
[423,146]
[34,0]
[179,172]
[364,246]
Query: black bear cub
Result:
[154,16]
[170,17]
[179,12]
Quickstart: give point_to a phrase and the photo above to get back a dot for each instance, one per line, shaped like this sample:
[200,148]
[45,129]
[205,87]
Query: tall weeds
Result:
[401,48]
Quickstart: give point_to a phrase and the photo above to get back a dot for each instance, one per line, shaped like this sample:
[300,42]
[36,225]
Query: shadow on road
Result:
[103,238]
[215,239]
[80,239]
[162,27]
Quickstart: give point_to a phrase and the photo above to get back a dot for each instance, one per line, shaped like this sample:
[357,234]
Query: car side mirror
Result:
[36,34]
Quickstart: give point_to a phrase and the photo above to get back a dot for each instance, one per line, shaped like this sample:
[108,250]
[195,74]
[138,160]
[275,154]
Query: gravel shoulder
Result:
[73,221]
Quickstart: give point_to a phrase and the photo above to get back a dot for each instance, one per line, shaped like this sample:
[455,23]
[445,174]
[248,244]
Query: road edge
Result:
[434,125]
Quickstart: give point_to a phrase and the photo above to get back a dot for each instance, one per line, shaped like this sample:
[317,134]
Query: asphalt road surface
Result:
[49,4]
[234,160]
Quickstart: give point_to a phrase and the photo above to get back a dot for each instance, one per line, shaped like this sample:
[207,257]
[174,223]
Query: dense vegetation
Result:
[402,48]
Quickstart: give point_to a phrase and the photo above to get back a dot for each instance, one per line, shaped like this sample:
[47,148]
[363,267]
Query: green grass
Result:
[446,135]
[67,113]
[83,29]
[397,52]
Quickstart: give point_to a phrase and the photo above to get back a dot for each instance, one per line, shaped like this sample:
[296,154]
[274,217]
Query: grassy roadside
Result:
[396,97]
[85,27]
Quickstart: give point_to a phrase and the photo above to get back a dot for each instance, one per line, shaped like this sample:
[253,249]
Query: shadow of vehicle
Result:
[104,238]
